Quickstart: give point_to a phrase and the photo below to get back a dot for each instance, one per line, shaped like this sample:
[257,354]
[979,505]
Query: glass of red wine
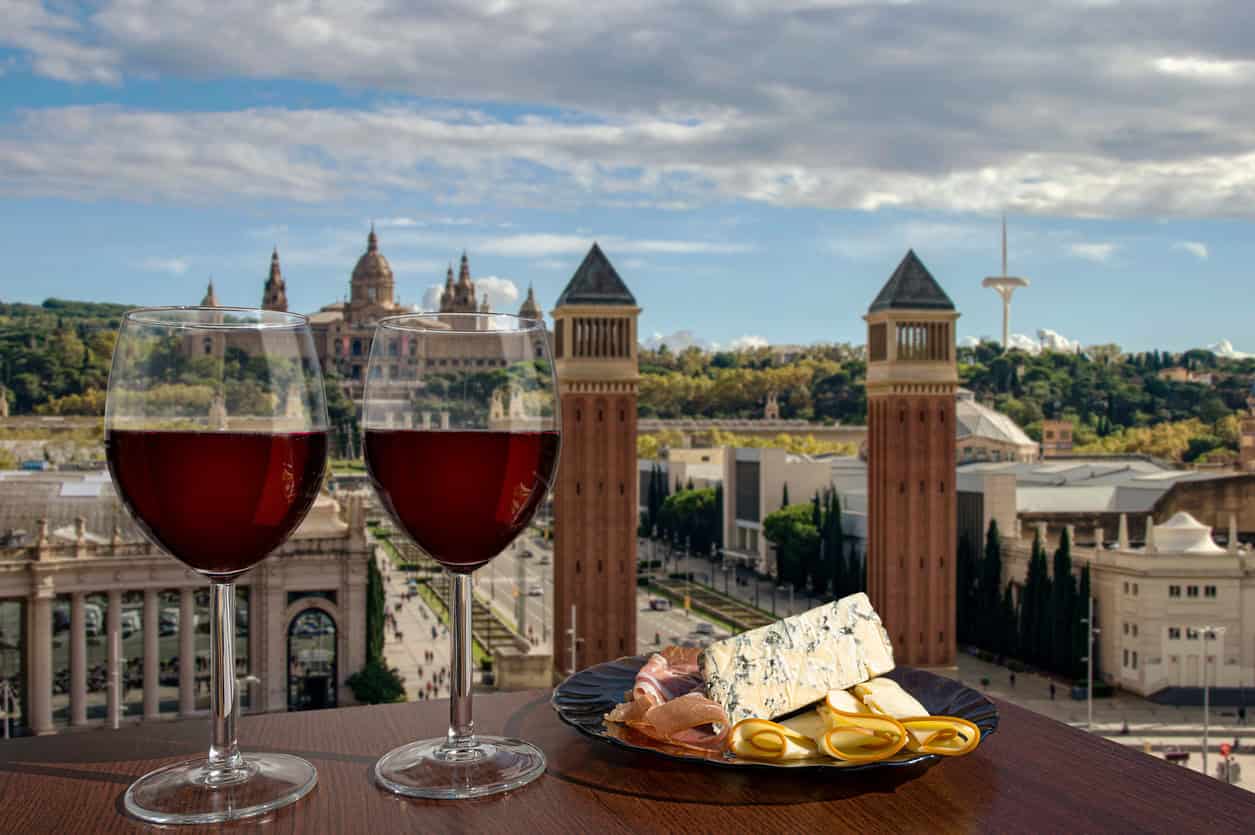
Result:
[461,425]
[216,436]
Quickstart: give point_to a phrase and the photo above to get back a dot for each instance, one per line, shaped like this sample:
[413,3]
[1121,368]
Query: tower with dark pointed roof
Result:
[275,295]
[595,501]
[211,298]
[912,377]
[464,290]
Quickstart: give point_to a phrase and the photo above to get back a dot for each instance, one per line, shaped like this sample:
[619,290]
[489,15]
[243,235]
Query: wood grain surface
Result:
[1033,775]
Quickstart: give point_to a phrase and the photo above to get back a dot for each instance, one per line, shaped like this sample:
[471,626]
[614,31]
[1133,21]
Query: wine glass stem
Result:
[461,726]
[225,762]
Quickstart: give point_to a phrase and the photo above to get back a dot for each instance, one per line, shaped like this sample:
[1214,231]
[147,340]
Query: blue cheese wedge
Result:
[776,669]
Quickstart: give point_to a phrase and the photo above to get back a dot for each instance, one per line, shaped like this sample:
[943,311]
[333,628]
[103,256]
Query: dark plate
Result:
[586,697]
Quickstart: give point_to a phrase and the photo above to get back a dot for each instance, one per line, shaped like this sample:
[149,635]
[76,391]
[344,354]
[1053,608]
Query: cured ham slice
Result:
[666,703]
[661,680]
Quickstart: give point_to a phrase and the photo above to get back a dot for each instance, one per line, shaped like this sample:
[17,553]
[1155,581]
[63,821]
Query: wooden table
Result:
[1033,775]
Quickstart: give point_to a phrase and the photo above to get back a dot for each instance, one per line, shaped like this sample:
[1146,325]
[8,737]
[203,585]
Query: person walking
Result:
[1052,691]
[1012,678]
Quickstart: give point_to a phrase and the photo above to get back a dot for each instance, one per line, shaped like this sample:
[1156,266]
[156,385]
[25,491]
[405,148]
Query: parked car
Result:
[704,628]
[535,590]
[659,604]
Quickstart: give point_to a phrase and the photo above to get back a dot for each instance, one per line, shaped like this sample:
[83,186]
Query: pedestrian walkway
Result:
[1124,718]
[409,653]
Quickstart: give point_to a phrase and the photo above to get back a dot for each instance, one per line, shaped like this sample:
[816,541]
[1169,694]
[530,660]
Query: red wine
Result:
[461,496]
[218,501]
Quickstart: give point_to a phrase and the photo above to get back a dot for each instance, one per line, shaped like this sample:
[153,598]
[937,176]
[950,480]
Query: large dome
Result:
[372,266]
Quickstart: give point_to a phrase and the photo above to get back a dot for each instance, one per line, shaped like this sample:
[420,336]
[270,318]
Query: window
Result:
[1126,658]
[392,347]
[1191,591]
[1135,659]
[1174,591]
[1191,634]
[1209,591]
[357,347]
[1174,633]
[1126,587]
[1126,629]
[1135,630]
[1135,589]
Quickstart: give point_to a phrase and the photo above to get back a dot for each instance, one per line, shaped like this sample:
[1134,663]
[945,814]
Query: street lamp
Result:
[1088,620]
[790,587]
[1208,632]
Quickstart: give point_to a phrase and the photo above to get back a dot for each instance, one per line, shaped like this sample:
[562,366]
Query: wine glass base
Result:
[430,768]
[182,793]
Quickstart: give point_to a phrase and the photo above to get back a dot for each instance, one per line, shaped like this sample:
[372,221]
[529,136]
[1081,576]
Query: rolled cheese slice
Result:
[776,669]
[760,739]
[886,697]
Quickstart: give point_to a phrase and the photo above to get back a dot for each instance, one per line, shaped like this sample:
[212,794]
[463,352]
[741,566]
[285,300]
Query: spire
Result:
[275,295]
[1004,243]
[596,282]
[530,310]
[912,287]
[372,240]
[211,299]
[464,271]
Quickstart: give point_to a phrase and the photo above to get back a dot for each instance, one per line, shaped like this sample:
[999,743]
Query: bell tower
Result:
[912,376]
[275,294]
[595,508]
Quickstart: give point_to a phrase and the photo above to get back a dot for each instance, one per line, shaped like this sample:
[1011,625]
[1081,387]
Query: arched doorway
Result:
[312,673]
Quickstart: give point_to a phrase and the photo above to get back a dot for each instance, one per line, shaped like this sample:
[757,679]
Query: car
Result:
[659,604]
[526,555]
[544,559]
[535,590]
[704,628]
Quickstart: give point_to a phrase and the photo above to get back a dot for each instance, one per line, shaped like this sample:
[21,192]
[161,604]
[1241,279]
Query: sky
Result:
[755,169]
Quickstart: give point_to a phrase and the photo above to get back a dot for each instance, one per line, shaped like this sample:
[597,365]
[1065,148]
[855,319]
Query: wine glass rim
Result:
[412,322]
[160,315]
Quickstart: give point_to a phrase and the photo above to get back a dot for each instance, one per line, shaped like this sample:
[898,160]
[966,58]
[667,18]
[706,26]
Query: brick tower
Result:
[275,294]
[595,509]
[911,380]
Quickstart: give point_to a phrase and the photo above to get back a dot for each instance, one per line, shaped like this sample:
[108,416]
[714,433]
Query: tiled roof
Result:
[596,282]
[911,287]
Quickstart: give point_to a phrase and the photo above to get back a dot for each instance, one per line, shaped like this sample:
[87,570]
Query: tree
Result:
[1080,647]
[989,588]
[1034,606]
[784,495]
[966,574]
[834,543]
[719,515]
[376,606]
[1063,607]
[790,530]
[1007,629]
[377,683]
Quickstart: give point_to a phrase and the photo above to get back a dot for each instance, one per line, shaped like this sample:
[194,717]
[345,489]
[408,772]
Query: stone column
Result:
[152,655]
[113,633]
[78,659]
[39,655]
[1124,531]
[187,651]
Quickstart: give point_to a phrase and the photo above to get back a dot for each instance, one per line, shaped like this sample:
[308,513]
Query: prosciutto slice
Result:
[667,703]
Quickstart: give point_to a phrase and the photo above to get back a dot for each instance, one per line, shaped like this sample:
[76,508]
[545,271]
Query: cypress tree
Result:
[1034,601]
[689,486]
[839,569]
[1080,636]
[815,569]
[1007,631]
[990,588]
[784,495]
[718,538]
[1062,607]
[964,589]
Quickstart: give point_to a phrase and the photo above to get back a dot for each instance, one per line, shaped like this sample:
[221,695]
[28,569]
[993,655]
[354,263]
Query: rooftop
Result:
[911,287]
[596,282]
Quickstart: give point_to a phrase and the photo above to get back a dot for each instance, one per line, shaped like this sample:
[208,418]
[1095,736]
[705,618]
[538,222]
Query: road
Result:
[768,597]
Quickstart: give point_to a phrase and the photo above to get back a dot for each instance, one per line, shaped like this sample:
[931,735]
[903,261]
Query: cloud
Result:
[503,294]
[1096,252]
[398,222]
[1198,250]
[1224,348]
[1047,340]
[665,103]
[173,266]
[539,245]
[677,341]
[742,343]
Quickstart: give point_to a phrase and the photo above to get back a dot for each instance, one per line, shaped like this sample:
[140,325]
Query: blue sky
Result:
[755,170]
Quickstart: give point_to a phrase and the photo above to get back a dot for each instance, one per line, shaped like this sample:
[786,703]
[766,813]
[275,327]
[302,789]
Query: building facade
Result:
[595,502]
[985,434]
[94,620]
[912,377]
[755,481]
[1056,438]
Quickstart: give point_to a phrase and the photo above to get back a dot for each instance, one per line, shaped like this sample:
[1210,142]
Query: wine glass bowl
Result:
[461,443]
[216,439]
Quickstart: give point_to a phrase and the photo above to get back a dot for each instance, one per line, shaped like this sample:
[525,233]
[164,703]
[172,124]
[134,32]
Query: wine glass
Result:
[461,439]
[216,436]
